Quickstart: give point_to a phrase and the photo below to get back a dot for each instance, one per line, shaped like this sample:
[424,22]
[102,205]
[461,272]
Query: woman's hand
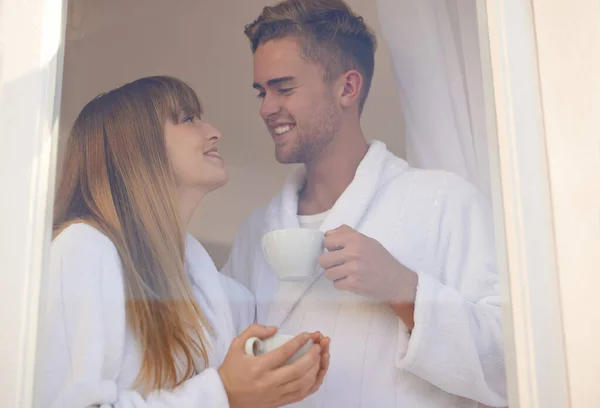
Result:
[323,341]
[263,381]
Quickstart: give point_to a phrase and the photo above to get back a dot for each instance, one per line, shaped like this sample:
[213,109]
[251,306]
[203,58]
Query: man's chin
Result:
[286,157]
[281,160]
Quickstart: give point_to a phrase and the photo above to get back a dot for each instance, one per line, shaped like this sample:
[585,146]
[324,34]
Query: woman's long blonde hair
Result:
[116,177]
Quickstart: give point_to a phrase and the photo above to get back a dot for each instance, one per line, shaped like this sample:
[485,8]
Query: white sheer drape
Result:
[434,46]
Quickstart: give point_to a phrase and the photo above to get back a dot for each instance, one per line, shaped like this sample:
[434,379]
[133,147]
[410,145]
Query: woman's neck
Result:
[188,201]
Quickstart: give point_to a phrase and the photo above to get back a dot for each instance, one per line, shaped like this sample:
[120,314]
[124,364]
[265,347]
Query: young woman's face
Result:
[192,150]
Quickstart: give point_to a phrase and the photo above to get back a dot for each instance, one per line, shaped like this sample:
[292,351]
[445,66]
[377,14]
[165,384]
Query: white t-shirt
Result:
[312,221]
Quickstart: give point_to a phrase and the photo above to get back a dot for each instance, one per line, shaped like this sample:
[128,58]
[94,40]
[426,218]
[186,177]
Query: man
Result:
[408,290]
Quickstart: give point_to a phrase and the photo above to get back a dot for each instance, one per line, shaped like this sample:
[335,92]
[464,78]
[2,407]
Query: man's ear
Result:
[350,83]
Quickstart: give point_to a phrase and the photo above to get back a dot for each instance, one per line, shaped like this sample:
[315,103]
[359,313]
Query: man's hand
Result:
[361,265]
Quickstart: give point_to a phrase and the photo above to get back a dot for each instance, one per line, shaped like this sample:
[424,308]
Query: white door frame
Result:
[545,59]
[523,206]
[31,55]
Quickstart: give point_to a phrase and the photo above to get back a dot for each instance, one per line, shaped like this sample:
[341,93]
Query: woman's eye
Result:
[188,119]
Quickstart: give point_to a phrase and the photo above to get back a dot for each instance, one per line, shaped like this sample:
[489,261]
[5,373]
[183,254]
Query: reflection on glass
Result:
[395,265]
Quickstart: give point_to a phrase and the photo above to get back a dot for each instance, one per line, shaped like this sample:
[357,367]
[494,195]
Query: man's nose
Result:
[269,106]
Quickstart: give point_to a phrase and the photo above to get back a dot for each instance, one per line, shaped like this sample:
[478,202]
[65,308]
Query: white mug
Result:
[257,347]
[294,252]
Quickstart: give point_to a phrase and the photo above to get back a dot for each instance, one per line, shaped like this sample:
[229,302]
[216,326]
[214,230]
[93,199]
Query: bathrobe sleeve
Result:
[457,340]
[81,342]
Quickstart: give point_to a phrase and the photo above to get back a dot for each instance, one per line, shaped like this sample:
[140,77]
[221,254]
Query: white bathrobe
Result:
[432,222]
[87,357]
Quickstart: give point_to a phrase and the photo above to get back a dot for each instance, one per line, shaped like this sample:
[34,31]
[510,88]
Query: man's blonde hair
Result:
[329,33]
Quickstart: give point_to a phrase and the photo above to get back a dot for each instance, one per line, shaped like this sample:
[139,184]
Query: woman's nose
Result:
[211,132]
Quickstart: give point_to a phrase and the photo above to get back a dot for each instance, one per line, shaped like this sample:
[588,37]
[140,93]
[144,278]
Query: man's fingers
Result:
[341,229]
[338,238]
[346,283]
[336,273]
[335,242]
[331,259]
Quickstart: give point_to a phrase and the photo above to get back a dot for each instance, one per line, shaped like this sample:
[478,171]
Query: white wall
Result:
[110,42]
[568,34]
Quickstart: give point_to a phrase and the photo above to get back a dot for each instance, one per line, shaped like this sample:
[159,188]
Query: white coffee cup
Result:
[294,252]
[257,347]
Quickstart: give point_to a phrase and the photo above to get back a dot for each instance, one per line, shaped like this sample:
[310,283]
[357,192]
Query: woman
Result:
[136,313]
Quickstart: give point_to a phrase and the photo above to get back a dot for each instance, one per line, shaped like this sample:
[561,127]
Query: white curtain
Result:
[434,46]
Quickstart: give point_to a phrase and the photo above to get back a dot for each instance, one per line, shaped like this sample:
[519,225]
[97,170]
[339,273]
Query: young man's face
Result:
[298,106]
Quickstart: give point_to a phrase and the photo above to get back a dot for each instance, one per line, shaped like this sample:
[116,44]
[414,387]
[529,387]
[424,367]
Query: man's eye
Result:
[260,95]
[188,119]
[285,90]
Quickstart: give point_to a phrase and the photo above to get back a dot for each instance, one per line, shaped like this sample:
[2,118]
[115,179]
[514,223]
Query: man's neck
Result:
[331,173]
